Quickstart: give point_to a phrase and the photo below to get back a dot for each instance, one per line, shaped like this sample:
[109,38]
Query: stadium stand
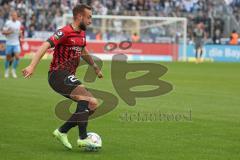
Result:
[46,15]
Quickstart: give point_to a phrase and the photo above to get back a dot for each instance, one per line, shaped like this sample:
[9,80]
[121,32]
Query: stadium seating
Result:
[36,16]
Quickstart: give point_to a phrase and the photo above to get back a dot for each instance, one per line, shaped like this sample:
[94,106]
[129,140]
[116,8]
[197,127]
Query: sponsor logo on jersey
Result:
[77,49]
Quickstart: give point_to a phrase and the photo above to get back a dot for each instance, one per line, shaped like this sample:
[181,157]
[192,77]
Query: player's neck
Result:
[75,27]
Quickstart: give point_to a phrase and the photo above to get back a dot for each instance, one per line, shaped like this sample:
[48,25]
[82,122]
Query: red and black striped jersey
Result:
[68,45]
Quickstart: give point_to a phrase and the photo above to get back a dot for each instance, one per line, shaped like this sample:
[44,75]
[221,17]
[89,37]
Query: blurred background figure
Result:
[135,38]
[199,36]
[12,31]
[99,36]
[217,37]
[234,38]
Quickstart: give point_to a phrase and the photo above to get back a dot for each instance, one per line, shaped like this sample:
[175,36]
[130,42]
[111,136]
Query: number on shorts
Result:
[72,78]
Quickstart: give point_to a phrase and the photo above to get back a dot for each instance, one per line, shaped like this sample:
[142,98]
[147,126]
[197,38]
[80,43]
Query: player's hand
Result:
[99,74]
[98,71]
[28,71]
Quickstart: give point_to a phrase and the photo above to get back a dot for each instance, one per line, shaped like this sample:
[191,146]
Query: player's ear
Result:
[79,17]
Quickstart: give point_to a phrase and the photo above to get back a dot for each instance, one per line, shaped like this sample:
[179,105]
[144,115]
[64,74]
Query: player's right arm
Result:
[57,38]
[6,29]
[29,70]
[7,32]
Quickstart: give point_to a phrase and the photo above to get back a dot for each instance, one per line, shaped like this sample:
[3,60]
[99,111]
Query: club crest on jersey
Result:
[59,34]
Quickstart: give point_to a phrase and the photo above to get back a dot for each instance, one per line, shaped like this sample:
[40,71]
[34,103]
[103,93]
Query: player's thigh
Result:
[63,82]
[17,51]
[81,93]
[198,47]
[17,56]
[69,86]
[9,51]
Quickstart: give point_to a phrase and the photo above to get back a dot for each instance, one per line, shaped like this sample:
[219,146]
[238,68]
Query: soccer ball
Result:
[96,139]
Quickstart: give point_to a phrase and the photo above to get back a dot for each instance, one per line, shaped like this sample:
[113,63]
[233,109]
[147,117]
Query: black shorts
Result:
[63,82]
[198,45]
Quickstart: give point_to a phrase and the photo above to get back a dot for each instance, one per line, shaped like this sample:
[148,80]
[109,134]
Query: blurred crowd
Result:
[46,15]
[150,7]
[235,4]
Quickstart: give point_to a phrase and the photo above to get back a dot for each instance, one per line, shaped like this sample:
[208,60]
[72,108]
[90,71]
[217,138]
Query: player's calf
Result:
[7,62]
[80,93]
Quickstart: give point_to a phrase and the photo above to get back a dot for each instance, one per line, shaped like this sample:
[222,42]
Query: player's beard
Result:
[82,26]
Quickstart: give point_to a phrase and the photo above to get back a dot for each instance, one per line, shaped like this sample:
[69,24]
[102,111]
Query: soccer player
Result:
[12,31]
[198,37]
[70,45]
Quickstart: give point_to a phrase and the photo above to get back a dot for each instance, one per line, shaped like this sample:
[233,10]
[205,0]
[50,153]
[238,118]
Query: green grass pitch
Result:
[210,90]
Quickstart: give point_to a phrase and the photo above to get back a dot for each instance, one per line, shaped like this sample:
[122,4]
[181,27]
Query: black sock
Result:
[70,123]
[83,118]
[80,118]
[196,55]
[201,52]
[10,63]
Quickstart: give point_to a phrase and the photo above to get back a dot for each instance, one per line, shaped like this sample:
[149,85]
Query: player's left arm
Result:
[7,32]
[88,58]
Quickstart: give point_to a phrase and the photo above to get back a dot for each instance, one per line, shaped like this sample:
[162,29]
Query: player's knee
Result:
[17,58]
[9,58]
[93,104]
[79,98]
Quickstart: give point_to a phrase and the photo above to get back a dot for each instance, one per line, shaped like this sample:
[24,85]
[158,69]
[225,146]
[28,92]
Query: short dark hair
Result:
[79,8]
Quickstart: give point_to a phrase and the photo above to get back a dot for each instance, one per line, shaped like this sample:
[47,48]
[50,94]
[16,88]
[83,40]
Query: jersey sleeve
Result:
[6,25]
[57,38]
